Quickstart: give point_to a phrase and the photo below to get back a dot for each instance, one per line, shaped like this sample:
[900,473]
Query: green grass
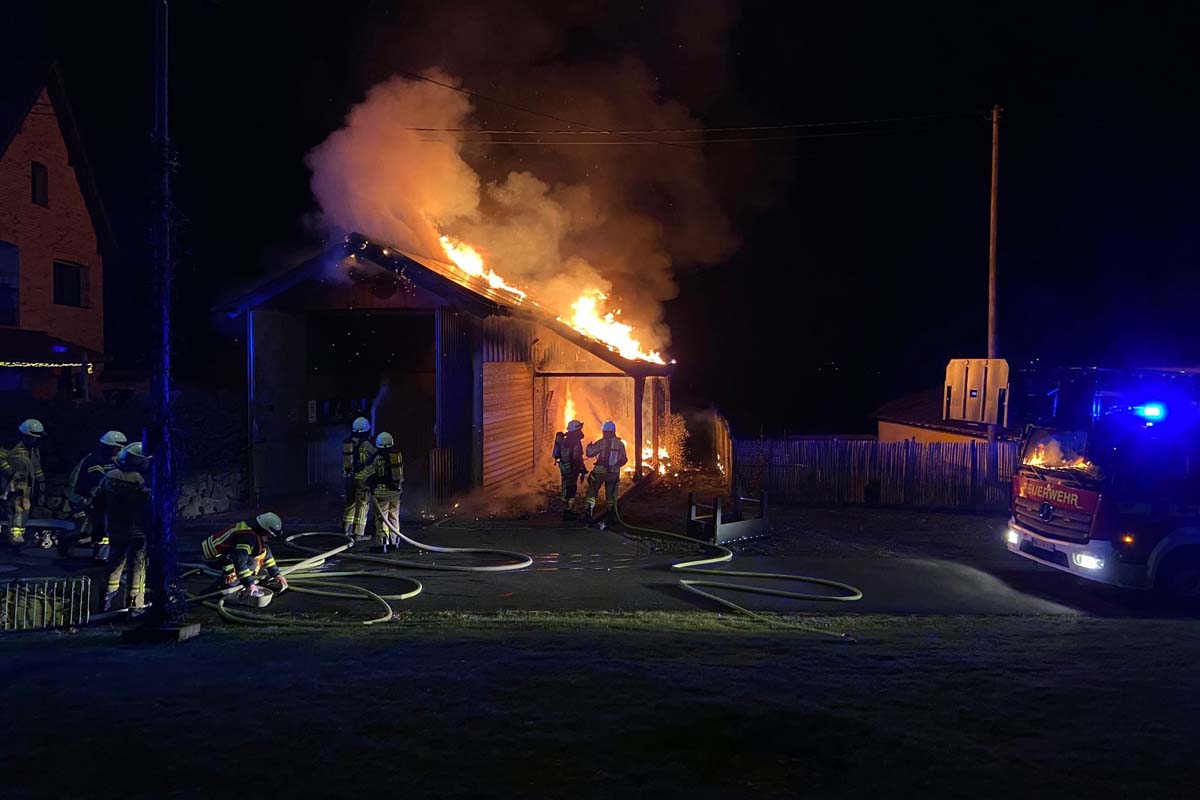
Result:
[602,705]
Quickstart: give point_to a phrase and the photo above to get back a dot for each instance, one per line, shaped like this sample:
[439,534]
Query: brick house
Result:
[52,231]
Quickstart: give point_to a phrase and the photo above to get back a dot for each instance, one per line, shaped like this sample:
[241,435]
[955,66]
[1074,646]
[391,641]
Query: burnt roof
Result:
[22,82]
[478,299]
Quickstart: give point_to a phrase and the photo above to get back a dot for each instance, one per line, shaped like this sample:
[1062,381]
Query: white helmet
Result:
[361,425]
[574,425]
[270,522]
[133,455]
[609,425]
[384,440]
[32,427]
[114,439]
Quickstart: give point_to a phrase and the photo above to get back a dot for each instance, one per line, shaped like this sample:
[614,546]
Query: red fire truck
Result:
[1116,498]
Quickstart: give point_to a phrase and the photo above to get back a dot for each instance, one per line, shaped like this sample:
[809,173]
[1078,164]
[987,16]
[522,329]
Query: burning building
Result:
[472,376]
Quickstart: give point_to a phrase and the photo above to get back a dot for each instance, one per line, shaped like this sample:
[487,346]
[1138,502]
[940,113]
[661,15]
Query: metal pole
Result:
[169,600]
[993,283]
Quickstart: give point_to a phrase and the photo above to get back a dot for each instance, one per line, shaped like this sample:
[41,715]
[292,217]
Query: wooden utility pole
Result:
[993,344]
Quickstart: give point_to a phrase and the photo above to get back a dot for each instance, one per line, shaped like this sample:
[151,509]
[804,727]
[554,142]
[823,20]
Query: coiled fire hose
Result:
[725,555]
[301,578]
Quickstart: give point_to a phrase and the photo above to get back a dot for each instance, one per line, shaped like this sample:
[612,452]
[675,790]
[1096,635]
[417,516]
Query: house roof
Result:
[924,410]
[22,348]
[473,296]
[22,82]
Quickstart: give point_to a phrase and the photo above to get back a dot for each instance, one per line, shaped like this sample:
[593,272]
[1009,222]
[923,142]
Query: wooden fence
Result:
[965,475]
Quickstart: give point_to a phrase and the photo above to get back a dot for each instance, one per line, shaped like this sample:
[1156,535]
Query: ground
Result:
[973,672]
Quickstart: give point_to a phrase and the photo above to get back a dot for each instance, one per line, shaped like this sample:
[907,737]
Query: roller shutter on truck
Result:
[507,423]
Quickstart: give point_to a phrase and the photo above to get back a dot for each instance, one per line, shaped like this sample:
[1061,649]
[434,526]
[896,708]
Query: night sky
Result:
[862,263]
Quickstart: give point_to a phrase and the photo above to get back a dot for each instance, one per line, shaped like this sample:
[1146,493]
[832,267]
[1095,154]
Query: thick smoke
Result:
[553,220]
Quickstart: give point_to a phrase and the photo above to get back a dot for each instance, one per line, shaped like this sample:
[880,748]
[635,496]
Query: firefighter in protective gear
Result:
[243,551]
[83,487]
[124,499]
[387,485]
[358,463]
[609,453]
[568,454]
[22,478]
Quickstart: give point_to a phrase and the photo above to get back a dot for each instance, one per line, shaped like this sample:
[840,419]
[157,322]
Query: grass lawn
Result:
[587,705]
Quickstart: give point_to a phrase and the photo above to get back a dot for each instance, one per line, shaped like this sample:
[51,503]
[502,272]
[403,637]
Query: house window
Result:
[70,284]
[40,184]
[10,283]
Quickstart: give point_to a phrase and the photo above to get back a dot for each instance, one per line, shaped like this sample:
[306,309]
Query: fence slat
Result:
[963,475]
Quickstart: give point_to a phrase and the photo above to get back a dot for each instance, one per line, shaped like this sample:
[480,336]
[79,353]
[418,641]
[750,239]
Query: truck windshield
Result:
[1060,451]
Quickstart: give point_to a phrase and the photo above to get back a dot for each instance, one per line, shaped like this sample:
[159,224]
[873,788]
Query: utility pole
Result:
[993,344]
[165,623]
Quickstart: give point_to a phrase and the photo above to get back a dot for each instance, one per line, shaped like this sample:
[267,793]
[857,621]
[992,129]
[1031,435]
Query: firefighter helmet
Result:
[32,427]
[270,522]
[384,440]
[609,426]
[114,439]
[361,425]
[574,425]
[132,455]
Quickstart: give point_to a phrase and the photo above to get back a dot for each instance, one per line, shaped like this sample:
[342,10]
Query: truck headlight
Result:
[1013,537]
[1088,561]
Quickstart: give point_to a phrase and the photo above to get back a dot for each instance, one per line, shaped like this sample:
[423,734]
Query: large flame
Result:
[467,259]
[589,314]
[568,409]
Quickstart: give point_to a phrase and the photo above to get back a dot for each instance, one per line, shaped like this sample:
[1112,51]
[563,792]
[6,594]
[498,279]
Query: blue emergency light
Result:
[1151,412]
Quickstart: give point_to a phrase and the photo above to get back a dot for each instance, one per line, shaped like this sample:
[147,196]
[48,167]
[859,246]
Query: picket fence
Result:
[947,475]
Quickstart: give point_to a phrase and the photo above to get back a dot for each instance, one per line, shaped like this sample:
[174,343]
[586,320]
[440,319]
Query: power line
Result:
[746,128]
[733,140]
[523,109]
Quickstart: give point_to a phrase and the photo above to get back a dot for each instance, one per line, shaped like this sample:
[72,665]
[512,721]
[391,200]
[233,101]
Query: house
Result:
[974,397]
[52,232]
[472,383]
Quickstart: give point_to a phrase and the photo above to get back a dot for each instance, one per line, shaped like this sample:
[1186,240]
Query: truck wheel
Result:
[1178,580]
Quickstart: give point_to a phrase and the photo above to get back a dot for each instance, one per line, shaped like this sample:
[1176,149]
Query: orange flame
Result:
[568,409]
[590,318]
[467,259]
[589,314]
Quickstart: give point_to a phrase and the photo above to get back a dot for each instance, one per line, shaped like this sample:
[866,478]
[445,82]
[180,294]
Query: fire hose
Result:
[302,577]
[725,555]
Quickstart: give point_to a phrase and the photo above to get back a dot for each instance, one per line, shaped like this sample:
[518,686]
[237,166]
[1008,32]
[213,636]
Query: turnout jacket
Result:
[388,471]
[243,549]
[125,499]
[358,457]
[570,451]
[609,454]
[84,484]
[22,463]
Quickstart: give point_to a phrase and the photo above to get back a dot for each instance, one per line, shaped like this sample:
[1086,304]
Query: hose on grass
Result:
[303,577]
[723,555]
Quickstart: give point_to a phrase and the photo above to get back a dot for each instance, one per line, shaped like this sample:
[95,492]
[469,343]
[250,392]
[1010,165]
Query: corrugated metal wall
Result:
[505,339]
[450,471]
[507,423]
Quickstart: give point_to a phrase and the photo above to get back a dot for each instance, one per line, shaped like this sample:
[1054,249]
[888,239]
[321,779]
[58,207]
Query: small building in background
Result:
[52,230]
[974,397]
[472,384]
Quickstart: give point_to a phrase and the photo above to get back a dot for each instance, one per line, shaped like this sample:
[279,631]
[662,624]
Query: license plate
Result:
[1040,545]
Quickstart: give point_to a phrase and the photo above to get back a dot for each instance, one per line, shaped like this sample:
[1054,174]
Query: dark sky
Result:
[862,259]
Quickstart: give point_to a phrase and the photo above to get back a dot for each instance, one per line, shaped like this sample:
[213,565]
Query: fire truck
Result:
[1107,485]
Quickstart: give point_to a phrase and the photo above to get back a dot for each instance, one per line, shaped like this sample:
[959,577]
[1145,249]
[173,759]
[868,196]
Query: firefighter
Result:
[357,465]
[568,454]
[609,453]
[124,500]
[387,485]
[23,479]
[82,489]
[243,551]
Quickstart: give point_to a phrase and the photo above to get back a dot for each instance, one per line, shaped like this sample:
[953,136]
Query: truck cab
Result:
[1115,500]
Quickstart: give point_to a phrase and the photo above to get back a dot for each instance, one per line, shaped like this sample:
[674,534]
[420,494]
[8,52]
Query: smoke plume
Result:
[551,219]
